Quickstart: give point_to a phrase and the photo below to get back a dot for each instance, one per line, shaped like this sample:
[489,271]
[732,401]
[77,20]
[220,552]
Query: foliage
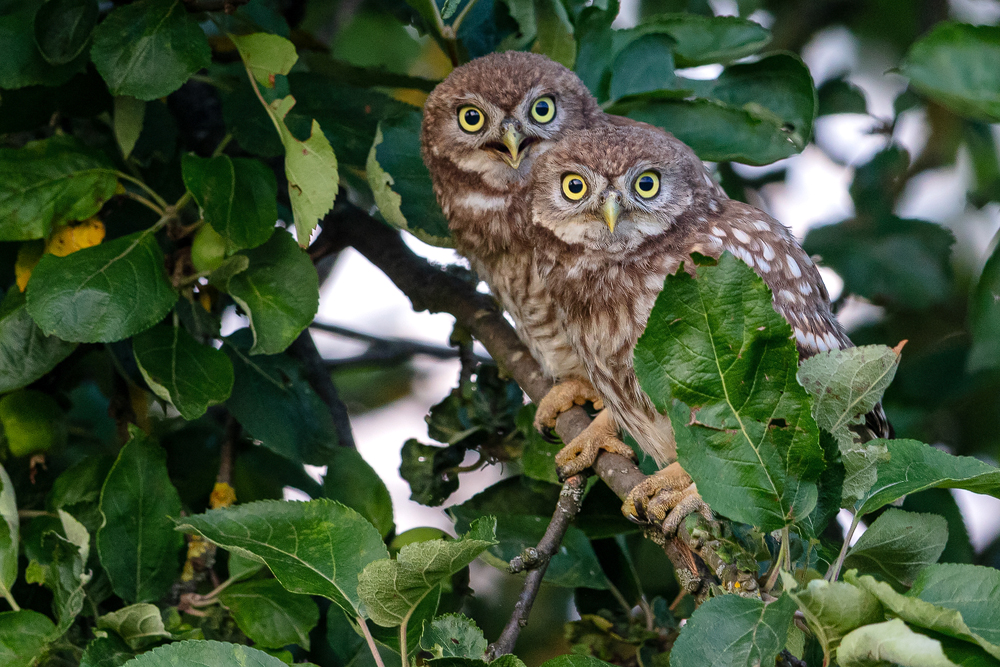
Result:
[164,167]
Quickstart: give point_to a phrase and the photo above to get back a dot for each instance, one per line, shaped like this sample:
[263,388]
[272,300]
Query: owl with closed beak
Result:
[613,213]
[484,129]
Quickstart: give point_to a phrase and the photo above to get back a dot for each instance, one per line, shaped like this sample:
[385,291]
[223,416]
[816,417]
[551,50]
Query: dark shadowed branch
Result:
[430,288]
[318,376]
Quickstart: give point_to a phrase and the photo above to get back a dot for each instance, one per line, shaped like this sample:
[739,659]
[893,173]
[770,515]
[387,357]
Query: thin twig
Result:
[400,346]
[567,508]
[318,376]
[371,642]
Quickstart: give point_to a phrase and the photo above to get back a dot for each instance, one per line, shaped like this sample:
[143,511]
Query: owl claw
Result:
[665,499]
[583,450]
[562,397]
[549,435]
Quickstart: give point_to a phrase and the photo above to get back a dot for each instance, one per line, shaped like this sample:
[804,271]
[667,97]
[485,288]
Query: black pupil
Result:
[576,186]
[472,117]
[646,183]
[542,108]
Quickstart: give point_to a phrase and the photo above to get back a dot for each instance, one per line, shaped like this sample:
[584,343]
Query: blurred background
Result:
[874,145]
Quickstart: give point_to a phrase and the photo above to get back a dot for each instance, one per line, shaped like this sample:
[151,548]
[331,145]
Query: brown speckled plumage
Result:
[606,282]
[485,199]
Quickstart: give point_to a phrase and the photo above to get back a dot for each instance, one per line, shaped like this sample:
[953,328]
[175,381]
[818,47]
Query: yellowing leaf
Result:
[67,240]
[27,258]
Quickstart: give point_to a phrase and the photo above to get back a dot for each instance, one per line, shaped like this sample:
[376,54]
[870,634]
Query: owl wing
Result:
[800,295]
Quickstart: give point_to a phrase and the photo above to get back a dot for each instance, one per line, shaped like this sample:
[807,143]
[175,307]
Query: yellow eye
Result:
[648,184]
[544,109]
[574,187]
[471,118]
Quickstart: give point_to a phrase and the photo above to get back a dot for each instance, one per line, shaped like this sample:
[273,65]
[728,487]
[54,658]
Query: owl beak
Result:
[611,210]
[512,140]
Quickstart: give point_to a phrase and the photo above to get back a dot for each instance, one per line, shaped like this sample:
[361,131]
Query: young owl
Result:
[484,128]
[614,212]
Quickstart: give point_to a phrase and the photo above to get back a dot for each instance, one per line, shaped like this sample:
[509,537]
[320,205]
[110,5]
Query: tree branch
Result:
[318,376]
[227,6]
[570,500]
[387,347]
[430,288]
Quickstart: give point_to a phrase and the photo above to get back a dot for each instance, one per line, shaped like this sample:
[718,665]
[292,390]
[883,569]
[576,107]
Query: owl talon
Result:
[549,435]
[583,450]
[665,499]
[562,397]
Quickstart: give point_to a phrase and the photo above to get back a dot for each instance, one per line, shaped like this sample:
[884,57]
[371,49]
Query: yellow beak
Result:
[611,210]
[512,140]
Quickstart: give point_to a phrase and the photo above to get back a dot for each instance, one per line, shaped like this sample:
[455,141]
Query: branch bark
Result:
[318,376]
[430,288]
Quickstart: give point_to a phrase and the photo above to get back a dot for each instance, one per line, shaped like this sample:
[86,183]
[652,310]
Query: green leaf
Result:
[833,609]
[64,572]
[148,49]
[645,65]
[914,466]
[202,653]
[717,132]
[32,422]
[107,651]
[21,63]
[845,385]
[242,567]
[421,615]
[273,401]
[392,589]
[50,182]
[266,55]
[181,370]
[351,481]
[984,317]
[63,27]
[401,183]
[569,660]
[430,471]
[838,95]
[138,546]
[594,50]
[898,545]
[314,548]
[958,549]
[279,292]
[715,342]
[891,642]
[755,113]
[731,630]
[554,32]
[961,601]
[700,40]
[237,196]
[310,165]
[23,637]
[129,115]
[269,615]
[538,458]
[140,625]
[453,636]
[958,66]
[898,263]
[9,535]
[104,293]
[26,353]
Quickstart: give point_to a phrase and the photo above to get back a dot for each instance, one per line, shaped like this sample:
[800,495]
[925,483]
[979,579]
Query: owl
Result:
[484,128]
[615,211]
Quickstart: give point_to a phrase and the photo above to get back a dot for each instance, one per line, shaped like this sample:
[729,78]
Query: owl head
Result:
[613,188]
[495,115]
